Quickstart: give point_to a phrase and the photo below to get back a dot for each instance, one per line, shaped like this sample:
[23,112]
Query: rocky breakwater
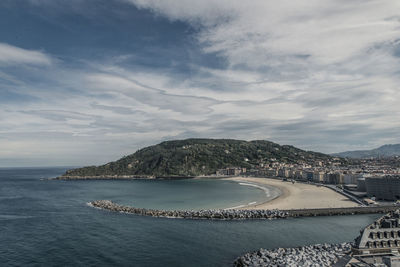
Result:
[228,214]
[314,255]
[104,177]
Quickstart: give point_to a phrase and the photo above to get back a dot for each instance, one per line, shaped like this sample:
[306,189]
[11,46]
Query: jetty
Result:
[232,214]
[341,211]
[220,214]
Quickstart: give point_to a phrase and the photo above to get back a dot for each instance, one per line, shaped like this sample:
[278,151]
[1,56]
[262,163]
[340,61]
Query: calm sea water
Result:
[47,223]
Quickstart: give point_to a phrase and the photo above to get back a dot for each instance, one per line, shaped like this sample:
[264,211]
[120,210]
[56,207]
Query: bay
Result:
[47,223]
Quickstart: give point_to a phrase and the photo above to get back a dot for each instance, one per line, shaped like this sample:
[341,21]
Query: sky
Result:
[85,82]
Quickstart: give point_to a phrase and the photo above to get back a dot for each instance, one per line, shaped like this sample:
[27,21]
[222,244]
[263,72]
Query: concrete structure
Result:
[299,174]
[382,236]
[393,261]
[231,171]
[271,172]
[350,187]
[284,172]
[383,188]
[350,178]
[379,243]
[377,246]
[318,176]
[361,185]
[335,178]
[308,175]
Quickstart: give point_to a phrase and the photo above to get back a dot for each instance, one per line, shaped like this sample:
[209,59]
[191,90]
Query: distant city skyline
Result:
[86,82]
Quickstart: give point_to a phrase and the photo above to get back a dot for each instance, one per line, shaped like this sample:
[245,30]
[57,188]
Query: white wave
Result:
[265,189]
[236,207]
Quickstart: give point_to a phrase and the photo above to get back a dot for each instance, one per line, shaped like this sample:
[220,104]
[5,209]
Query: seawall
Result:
[232,214]
[228,214]
[340,211]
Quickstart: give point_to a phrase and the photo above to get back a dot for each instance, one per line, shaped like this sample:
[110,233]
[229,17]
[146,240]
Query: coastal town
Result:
[370,179]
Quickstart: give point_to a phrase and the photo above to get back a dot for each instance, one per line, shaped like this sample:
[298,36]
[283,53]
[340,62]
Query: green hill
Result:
[193,157]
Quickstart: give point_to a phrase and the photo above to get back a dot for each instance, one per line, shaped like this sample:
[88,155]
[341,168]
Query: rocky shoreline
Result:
[120,177]
[102,177]
[228,214]
[314,255]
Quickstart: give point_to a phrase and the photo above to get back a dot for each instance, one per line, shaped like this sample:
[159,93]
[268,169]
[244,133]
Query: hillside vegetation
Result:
[193,157]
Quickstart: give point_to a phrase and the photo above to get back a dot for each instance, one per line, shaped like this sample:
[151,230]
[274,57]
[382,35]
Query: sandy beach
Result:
[298,195]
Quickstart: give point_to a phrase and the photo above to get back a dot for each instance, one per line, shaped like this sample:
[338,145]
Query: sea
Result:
[48,222]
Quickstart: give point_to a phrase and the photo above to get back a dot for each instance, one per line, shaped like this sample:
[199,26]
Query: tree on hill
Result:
[193,157]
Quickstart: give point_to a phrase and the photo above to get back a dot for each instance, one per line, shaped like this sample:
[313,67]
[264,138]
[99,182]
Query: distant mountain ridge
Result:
[383,151]
[194,157]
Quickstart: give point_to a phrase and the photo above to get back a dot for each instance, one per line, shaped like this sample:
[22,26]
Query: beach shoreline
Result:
[296,196]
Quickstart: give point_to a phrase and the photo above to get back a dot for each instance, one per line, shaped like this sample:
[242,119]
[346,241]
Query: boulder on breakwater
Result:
[315,255]
[228,214]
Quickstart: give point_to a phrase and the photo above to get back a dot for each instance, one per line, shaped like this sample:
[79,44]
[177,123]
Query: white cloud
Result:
[321,75]
[12,55]
[253,32]
[328,61]
[205,12]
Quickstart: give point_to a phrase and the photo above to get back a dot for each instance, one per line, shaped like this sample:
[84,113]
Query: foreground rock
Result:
[230,214]
[314,255]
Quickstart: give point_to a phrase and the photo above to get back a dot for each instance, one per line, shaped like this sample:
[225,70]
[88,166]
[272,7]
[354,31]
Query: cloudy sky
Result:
[88,81]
